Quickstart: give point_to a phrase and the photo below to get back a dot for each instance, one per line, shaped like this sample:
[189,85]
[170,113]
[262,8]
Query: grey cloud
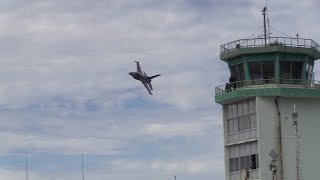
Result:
[59,59]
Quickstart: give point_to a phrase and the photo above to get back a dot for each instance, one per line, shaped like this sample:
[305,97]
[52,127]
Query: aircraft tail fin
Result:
[151,77]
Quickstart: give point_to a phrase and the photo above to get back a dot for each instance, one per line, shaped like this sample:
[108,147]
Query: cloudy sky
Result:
[65,88]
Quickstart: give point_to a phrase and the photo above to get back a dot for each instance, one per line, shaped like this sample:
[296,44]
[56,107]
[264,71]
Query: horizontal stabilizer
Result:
[151,77]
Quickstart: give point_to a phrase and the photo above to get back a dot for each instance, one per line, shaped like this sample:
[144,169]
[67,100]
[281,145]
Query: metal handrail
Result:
[267,83]
[271,41]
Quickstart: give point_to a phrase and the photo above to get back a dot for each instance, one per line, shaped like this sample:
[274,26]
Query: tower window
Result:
[238,72]
[244,123]
[290,70]
[296,70]
[232,165]
[268,70]
[309,72]
[236,165]
[243,156]
[253,121]
[241,116]
[244,162]
[285,70]
[261,70]
[255,71]
[254,161]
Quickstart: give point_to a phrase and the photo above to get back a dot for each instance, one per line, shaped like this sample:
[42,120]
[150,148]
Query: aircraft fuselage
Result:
[140,77]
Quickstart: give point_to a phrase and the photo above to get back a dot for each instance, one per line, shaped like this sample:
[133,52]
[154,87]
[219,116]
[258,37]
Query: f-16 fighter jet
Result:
[143,77]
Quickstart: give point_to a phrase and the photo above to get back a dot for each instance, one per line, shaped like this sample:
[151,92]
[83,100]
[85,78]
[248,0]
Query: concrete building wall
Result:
[225,138]
[309,126]
[268,134]
[283,140]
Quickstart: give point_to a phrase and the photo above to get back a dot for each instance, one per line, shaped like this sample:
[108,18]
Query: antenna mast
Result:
[295,124]
[273,163]
[268,21]
[264,25]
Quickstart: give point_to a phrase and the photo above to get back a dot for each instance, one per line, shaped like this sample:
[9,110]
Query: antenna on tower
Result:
[268,21]
[264,25]
[296,125]
[273,164]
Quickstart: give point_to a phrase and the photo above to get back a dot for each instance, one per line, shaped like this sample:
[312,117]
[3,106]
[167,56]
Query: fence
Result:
[267,83]
[271,41]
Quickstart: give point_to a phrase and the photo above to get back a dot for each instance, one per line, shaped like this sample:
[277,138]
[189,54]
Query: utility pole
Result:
[295,124]
[27,166]
[82,166]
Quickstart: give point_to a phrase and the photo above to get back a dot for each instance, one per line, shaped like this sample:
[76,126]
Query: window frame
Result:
[241,121]
[243,156]
[291,72]
[238,72]
[261,67]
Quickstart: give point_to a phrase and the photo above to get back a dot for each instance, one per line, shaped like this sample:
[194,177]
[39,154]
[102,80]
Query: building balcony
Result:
[266,87]
[271,44]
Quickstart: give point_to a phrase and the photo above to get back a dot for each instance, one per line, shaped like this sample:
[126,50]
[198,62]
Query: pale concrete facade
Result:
[309,122]
[274,130]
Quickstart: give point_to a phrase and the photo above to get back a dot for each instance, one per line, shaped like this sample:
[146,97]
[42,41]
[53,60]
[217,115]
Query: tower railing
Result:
[267,83]
[271,41]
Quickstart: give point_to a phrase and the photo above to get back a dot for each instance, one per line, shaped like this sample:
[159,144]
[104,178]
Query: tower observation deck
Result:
[277,66]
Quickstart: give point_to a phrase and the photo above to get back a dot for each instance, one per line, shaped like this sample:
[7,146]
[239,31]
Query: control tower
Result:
[271,109]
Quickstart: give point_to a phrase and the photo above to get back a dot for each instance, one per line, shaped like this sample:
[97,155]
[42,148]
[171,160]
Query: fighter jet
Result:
[143,77]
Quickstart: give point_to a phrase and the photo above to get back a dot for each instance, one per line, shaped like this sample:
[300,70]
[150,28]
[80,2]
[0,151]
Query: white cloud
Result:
[189,166]
[177,129]
[11,174]
[62,145]
[14,174]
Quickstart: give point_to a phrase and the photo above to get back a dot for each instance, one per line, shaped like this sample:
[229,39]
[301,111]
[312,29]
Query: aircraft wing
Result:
[138,67]
[147,87]
[150,85]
